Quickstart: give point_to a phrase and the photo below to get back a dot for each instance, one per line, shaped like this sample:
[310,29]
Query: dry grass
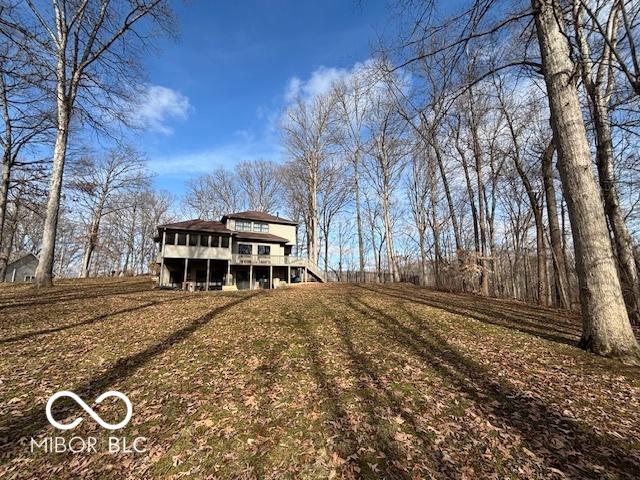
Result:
[330,381]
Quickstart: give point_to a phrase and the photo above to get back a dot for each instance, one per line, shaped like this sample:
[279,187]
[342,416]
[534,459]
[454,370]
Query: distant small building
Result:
[23,269]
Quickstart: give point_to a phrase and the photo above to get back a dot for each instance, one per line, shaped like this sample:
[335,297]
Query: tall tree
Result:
[104,184]
[561,282]
[387,155]
[90,50]
[212,195]
[352,103]
[598,78]
[606,328]
[310,138]
[260,182]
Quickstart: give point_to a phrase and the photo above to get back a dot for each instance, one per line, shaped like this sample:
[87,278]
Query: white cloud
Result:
[323,79]
[319,83]
[158,106]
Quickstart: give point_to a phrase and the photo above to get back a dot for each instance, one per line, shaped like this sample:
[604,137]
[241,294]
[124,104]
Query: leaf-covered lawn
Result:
[323,381]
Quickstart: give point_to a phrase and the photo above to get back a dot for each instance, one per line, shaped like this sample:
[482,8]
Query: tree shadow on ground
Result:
[64,293]
[541,322]
[343,430]
[89,321]
[376,396]
[583,453]
[34,420]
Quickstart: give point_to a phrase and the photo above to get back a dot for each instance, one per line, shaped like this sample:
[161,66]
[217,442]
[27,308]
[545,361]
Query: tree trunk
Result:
[561,283]
[4,199]
[386,218]
[7,164]
[44,272]
[477,153]
[621,238]
[447,190]
[92,240]
[541,251]
[606,329]
[356,186]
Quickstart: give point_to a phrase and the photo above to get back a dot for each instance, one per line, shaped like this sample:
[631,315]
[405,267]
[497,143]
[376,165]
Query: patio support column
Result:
[228,272]
[164,239]
[206,285]
[289,275]
[306,275]
[250,277]
[270,277]
[186,269]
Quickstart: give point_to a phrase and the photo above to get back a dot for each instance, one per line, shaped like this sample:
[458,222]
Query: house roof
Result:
[23,259]
[259,216]
[198,225]
[260,237]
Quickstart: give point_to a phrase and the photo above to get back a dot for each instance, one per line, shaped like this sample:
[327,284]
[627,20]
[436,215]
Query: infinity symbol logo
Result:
[89,410]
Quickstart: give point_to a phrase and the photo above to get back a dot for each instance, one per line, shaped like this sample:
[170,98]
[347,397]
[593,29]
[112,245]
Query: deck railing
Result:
[250,259]
[276,260]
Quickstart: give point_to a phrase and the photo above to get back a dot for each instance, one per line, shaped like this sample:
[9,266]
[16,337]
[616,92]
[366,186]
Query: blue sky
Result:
[215,94]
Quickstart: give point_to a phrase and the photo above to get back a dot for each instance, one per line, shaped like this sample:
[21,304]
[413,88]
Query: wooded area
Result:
[489,151]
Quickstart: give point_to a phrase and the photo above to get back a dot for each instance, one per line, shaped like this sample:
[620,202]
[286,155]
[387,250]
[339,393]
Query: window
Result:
[193,240]
[204,240]
[260,227]
[215,240]
[244,249]
[243,225]
[264,250]
[170,238]
[182,239]
[225,242]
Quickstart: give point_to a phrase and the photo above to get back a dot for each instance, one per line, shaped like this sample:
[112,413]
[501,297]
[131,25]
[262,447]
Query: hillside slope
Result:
[319,381]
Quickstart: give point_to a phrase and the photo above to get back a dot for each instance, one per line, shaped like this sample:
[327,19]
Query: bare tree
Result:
[333,197]
[24,111]
[387,155]
[309,137]
[606,327]
[89,50]
[353,99]
[561,281]
[517,127]
[598,77]
[421,183]
[215,194]
[102,185]
[260,182]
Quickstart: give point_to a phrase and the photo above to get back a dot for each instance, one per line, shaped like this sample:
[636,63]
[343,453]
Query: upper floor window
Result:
[244,249]
[225,242]
[260,227]
[170,238]
[264,250]
[243,225]
[193,239]
[182,239]
[215,240]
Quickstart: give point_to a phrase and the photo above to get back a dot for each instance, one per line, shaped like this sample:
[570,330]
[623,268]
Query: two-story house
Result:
[244,250]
